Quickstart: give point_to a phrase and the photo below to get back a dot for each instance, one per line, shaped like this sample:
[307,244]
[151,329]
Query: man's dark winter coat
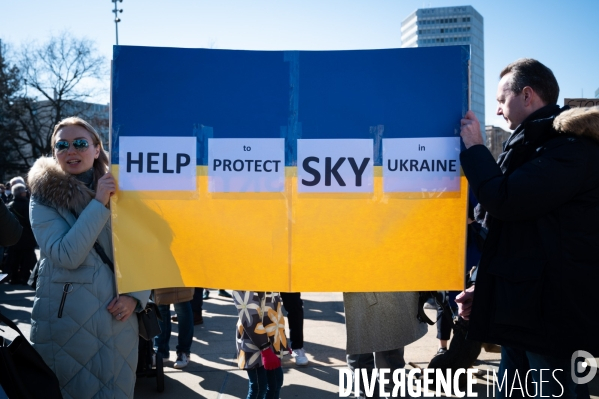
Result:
[20,208]
[539,273]
[10,228]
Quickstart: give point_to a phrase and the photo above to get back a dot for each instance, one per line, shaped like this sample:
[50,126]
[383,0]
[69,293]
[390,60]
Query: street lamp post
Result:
[116,12]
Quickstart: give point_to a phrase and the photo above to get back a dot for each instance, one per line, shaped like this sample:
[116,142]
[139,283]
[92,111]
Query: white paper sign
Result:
[335,166]
[421,164]
[157,163]
[246,165]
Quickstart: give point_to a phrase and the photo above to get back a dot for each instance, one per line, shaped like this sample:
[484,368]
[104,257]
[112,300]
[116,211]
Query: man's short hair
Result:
[531,73]
[18,189]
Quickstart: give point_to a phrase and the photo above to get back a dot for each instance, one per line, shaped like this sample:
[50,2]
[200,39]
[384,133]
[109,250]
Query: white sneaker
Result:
[182,360]
[299,355]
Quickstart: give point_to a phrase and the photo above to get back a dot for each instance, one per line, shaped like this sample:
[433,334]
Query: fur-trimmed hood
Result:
[579,121]
[54,187]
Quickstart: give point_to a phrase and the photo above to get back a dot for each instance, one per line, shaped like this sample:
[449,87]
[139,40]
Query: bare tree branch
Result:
[52,81]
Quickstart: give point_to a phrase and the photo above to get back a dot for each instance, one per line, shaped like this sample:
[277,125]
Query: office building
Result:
[450,26]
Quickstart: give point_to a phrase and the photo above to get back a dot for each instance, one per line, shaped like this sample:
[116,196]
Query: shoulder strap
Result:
[103,255]
[99,249]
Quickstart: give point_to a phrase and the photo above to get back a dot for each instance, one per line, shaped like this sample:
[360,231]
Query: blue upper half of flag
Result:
[367,94]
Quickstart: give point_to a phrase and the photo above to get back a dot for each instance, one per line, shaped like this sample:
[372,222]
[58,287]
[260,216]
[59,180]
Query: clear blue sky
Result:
[564,35]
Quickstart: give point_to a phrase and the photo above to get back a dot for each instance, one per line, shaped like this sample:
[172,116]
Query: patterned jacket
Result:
[261,324]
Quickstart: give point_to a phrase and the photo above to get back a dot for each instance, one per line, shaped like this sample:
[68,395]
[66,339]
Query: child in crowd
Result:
[261,341]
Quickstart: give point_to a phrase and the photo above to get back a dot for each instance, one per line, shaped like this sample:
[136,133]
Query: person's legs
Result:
[12,264]
[257,383]
[552,376]
[512,361]
[392,359]
[161,341]
[443,329]
[197,302]
[582,391]
[185,319]
[275,382]
[294,306]
[444,320]
[28,260]
[363,361]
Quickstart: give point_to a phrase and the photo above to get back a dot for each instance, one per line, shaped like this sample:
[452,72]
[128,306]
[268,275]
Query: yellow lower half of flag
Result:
[288,241]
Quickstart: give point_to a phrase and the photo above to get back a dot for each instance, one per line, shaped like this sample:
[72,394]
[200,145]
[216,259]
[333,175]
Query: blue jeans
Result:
[185,320]
[540,381]
[265,384]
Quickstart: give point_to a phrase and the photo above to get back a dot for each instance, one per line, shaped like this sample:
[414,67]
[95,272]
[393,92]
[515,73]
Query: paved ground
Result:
[213,373]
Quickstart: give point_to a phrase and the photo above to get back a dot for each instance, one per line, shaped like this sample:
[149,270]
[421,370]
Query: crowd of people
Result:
[20,257]
[532,292]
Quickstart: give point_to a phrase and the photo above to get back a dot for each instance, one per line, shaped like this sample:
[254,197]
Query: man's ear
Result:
[527,95]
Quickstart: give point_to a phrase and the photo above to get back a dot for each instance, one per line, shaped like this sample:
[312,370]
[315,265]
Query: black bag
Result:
[23,372]
[440,299]
[148,321]
[462,352]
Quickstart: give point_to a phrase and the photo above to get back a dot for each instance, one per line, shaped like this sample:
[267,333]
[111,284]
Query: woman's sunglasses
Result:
[80,145]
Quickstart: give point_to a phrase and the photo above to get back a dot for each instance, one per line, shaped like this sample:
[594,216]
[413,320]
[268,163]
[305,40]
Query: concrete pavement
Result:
[213,374]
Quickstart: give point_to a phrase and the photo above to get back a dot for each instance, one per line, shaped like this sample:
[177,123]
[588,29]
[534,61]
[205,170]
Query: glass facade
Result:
[447,26]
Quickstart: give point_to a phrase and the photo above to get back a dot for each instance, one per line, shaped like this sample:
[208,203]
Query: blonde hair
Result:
[101,163]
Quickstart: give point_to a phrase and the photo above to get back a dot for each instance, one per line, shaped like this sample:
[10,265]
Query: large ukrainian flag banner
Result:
[289,170]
